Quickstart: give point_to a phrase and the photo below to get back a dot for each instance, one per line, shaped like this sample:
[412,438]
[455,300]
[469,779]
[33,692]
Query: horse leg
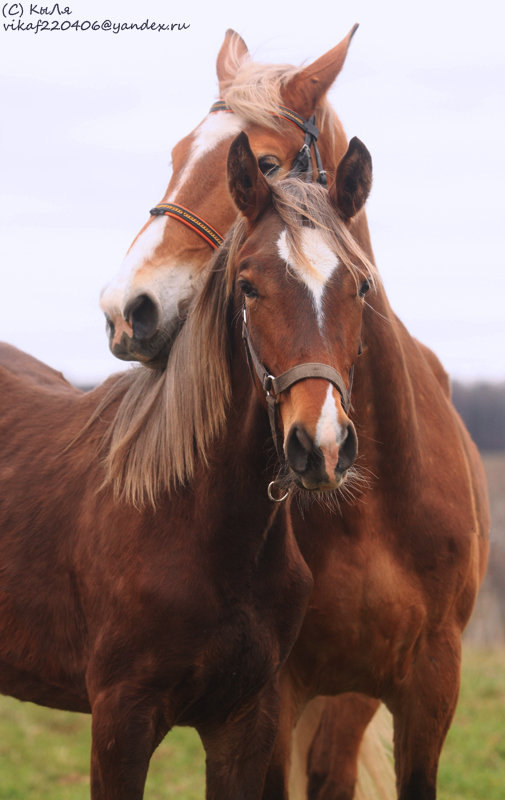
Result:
[238,751]
[332,762]
[422,707]
[126,729]
[318,759]
[279,783]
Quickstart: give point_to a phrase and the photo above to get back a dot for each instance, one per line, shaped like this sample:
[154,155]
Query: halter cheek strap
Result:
[302,164]
[273,387]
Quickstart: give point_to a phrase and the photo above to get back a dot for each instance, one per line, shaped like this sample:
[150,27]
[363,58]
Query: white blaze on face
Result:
[170,282]
[322,258]
[115,296]
[324,262]
[329,431]
[217,126]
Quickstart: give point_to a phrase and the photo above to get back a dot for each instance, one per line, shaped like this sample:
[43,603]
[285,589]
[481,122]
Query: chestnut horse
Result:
[145,304]
[396,570]
[184,613]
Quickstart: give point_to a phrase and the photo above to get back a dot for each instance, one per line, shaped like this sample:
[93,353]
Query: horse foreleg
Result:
[126,729]
[422,707]
[238,750]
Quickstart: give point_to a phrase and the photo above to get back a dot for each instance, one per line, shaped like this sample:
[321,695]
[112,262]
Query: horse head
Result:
[300,280]
[146,302]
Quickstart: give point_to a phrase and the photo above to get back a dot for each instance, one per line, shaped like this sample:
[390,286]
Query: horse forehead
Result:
[217,127]
[320,262]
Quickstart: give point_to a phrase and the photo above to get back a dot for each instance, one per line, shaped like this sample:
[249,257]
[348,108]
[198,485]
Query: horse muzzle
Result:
[320,467]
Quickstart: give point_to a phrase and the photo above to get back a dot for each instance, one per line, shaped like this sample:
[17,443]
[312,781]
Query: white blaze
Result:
[329,431]
[114,296]
[170,282]
[322,259]
[217,126]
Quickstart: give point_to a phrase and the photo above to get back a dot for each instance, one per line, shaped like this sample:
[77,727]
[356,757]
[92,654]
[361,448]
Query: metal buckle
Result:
[267,384]
[271,496]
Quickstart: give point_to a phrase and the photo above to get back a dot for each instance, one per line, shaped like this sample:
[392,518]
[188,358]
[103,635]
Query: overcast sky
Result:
[88,120]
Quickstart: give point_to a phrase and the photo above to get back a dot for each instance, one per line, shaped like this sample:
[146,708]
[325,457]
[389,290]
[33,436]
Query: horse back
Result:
[26,366]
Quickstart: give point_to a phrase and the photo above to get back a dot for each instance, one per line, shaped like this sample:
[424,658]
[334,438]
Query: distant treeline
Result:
[482,406]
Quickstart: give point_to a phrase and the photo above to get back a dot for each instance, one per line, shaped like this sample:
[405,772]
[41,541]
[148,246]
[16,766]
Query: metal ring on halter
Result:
[276,499]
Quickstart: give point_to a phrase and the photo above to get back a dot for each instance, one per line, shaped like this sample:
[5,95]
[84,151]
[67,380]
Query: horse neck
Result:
[235,479]
[389,377]
[247,440]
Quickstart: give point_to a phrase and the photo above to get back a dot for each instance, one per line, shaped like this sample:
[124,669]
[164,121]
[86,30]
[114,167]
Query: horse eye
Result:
[247,289]
[365,286]
[268,165]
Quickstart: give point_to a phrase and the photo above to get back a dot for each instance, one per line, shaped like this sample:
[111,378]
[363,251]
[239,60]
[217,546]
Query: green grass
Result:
[44,754]
[473,759]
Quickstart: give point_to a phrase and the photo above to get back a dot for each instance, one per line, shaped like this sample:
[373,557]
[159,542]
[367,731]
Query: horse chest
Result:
[364,620]
[211,636]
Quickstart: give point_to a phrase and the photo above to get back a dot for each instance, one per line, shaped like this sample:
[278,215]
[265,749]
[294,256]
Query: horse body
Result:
[147,619]
[184,613]
[396,573]
[21,363]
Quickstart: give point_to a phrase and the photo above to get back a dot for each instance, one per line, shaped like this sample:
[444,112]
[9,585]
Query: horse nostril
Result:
[348,449]
[298,449]
[110,328]
[143,316]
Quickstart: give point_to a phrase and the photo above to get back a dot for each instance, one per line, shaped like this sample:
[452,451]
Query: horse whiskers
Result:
[351,491]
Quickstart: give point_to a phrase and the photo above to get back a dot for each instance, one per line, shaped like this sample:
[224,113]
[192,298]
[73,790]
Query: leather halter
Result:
[273,387]
[302,165]
[192,220]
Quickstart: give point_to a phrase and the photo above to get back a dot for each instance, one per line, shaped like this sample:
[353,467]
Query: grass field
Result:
[44,754]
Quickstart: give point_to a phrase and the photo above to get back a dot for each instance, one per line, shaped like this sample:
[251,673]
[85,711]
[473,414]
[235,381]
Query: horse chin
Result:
[153,353]
[315,486]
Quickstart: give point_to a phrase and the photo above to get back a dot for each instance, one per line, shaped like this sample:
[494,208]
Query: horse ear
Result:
[353,181]
[306,88]
[232,53]
[248,187]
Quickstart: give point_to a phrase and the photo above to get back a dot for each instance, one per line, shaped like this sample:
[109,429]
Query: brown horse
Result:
[396,570]
[146,303]
[184,613]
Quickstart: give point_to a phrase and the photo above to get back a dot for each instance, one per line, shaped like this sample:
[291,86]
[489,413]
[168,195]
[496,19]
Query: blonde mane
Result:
[255,93]
[167,421]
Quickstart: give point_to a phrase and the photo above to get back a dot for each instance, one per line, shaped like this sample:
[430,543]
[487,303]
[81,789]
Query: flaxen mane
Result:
[255,93]
[167,421]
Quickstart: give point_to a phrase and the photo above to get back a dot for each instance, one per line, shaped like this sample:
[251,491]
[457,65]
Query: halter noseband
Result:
[302,165]
[273,387]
